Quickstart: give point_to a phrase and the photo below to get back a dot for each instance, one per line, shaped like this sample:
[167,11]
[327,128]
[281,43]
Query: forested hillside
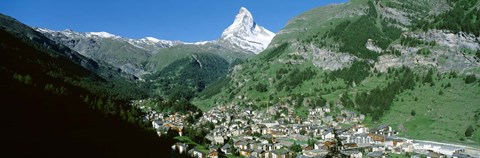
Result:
[56,108]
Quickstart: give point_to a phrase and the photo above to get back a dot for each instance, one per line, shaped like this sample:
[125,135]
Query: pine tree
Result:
[469,131]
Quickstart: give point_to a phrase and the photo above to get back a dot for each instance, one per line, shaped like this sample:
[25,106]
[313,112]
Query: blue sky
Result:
[185,20]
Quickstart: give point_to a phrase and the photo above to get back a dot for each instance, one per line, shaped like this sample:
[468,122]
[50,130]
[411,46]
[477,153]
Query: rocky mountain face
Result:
[37,39]
[126,54]
[246,34]
[17,28]
[452,52]
[79,40]
[148,55]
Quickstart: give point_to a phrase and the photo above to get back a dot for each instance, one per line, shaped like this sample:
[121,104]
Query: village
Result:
[277,133]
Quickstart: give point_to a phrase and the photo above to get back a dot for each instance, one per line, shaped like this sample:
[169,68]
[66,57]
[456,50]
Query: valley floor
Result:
[233,130]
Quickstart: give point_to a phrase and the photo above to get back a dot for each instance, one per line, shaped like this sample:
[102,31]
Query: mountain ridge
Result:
[147,55]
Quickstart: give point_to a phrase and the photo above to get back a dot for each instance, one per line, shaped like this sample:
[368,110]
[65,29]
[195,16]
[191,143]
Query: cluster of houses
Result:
[173,122]
[271,133]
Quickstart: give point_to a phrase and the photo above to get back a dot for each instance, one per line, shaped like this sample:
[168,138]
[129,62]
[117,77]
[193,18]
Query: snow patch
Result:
[151,39]
[101,34]
[200,43]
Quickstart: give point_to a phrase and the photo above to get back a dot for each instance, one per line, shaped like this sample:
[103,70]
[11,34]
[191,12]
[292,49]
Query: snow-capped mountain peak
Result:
[152,43]
[101,34]
[151,39]
[245,34]
[243,20]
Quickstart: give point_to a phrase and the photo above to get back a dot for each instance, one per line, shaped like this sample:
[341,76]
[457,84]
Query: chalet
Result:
[354,119]
[352,154]
[393,142]
[257,153]
[461,155]
[340,119]
[361,117]
[181,147]
[319,145]
[197,153]
[377,137]
[267,154]
[157,124]
[279,134]
[226,149]
[435,155]
[179,129]
[285,143]
[253,145]
[358,129]
[218,140]
[335,124]
[174,127]
[277,146]
[256,128]
[376,154]
[213,154]
[262,140]
[315,130]
[241,145]
[270,124]
[245,152]
[383,130]
[267,147]
[297,128]
[306,148]
[328,144]
[350,145]
[326,109]
[376,147]
[298,120]
[261,129]
[299,137]
[316,122]
[327,119]
[237,132]
[360,139]
[407,147]
[280,153]
[315,153]
[328,134]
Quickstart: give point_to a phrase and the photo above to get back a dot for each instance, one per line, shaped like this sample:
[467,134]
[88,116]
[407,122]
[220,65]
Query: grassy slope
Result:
[116,51]
[164,57]
[303,26]
[438,117]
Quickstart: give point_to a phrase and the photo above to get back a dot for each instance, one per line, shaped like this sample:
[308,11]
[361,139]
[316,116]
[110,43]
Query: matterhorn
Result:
[245,34]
